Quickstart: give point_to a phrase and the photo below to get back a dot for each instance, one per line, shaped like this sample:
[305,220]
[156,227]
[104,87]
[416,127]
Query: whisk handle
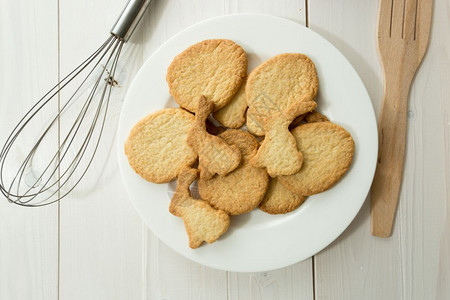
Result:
[129,19]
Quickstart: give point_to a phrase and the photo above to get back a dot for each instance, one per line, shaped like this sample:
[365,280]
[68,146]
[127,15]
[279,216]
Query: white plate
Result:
[257,241]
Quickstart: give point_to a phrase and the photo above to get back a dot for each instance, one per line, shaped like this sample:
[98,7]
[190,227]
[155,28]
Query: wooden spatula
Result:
[403,30]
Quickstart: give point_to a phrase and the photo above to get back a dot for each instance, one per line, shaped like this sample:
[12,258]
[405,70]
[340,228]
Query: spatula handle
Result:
[388,175]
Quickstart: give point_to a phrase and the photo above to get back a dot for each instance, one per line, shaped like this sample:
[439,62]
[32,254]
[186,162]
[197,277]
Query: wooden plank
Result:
[29,67]
[414,262]
[294,282]
[169,275]
[424,207]
[289,9]
[357,264]
[101,234]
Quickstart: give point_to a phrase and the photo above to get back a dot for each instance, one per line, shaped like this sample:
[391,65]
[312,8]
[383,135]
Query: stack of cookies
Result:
[271,150]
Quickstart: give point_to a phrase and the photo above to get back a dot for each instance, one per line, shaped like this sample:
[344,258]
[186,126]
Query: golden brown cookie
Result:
[327,151]
[253,123]
[213,68]
[315,116]
[215,156]
[241,190]
[278,152]
[275,85]
[213,129]
[156,146]
[279,200]
[297,121]
[202,222]
[232,115]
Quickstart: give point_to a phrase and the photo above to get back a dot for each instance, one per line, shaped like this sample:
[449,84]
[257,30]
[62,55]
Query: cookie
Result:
[241,190]
[327,151]
[278,152]
[315,116]
[232,115]
[275,85]
[202,222]
[279,200]
[213,129]
[215,156]
[156,146]
[213,68]
[297,121]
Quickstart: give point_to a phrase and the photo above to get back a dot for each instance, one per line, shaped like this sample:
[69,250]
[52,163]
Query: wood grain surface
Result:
[28,68]
[94,245]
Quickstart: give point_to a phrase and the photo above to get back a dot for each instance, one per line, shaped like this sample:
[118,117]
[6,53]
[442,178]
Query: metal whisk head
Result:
[74,113]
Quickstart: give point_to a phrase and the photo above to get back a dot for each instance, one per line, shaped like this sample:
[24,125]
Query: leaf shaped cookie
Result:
[215,156]
[202,222]
[275,85]
[156,147]
[327,151]
[214,68]
[233,114]
[241,190]
[278,152]
[279,199]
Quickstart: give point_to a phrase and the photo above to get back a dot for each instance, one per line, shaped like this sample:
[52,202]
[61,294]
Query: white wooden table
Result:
[94,246]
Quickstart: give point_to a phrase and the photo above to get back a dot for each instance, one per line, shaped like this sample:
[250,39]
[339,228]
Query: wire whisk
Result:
[36,181]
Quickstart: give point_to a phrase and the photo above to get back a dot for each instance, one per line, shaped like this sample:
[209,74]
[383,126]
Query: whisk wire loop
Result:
[113,46]
[62,171]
